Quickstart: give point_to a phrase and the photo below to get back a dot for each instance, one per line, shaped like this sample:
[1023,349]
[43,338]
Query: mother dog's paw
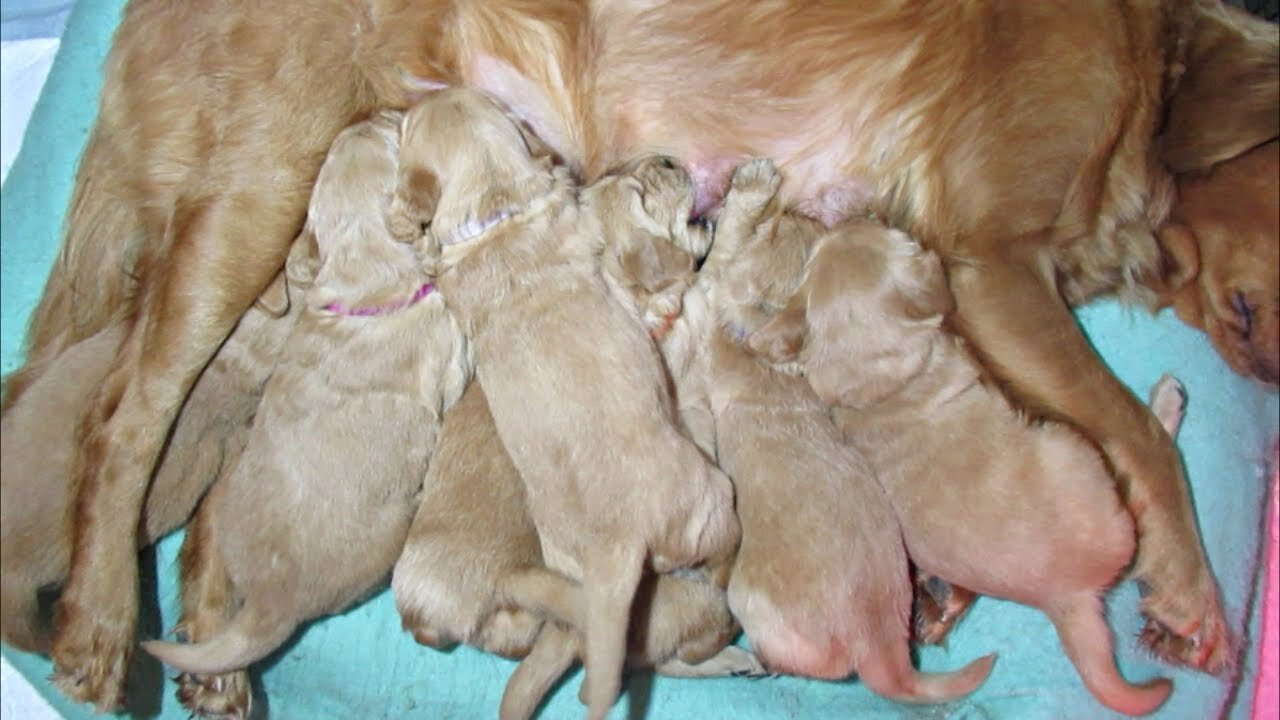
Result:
[90,661]
[1188,629]
[216,697]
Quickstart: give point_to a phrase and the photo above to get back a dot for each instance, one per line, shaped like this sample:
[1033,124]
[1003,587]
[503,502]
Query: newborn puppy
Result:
[317,509]
[1042,521]
[39,439]
[940,605]
[472,569]
[821,583]
[574,383]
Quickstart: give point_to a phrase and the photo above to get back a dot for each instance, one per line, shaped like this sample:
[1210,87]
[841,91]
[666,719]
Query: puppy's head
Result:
[653,193]
[865,317]
[649,253]
[756,277]
[1222,251]
[465,159]
[345,249]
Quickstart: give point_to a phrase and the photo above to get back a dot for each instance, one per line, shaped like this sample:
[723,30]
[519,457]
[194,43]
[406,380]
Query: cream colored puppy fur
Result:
[318,507]
[821,582]
[574,383]
[1040,520]
[472,571]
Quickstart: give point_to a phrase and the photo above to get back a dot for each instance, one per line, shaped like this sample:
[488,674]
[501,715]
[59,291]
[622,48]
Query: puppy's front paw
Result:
[1188,628]
[758,177]
[216,697]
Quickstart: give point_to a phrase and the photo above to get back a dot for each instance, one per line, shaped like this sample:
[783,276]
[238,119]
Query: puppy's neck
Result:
[949,372]
[502,202]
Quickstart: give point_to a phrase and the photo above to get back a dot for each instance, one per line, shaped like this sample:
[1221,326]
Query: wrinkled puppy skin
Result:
[347,422]
[574,382]
[1043,522]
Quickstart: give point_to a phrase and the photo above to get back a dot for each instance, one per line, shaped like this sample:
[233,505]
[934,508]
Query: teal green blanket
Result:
[361,665]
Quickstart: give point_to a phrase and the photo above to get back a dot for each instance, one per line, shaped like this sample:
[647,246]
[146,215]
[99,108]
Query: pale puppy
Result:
[574,383]
[316,512]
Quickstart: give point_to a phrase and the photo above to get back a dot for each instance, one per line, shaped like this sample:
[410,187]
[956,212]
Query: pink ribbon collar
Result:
[387,309]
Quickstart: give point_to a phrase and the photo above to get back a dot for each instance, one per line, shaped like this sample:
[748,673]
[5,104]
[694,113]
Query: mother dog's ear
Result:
[1228,99]
[1179,262]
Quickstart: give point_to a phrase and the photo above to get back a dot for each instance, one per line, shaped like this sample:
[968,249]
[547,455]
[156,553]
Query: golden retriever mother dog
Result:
[1039,141]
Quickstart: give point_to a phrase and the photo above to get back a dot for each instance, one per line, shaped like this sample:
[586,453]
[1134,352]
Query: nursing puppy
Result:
[346,425]
[574,383]
[472,571]
[824,604]
[1043,522]
[39,440]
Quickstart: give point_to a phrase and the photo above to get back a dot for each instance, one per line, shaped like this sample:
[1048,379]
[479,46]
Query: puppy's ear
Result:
[303,263]
[1180,261]
[927,294]
[275,299]
[1228,99]
[414,203]
[920,281]
[539,150]
[780,340]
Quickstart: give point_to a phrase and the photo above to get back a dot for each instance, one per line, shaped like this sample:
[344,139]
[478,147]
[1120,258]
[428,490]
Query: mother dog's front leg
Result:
[221,256]
[1010,308]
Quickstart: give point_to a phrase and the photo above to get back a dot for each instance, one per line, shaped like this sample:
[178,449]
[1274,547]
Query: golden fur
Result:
[574,383]
[38,441]
[346,425]
[1026,137]
[1042,524]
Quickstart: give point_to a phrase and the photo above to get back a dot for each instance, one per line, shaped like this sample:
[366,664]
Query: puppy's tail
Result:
[547,662]
[611,578]
[891,675]
[1087,639]
[252,634]
[92,278]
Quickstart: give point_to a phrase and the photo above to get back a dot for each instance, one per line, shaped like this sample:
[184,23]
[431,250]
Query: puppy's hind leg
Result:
[207,605]
[548,661]
[610,580]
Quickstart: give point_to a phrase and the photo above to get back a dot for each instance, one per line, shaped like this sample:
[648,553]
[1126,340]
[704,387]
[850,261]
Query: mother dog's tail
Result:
[93,276]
